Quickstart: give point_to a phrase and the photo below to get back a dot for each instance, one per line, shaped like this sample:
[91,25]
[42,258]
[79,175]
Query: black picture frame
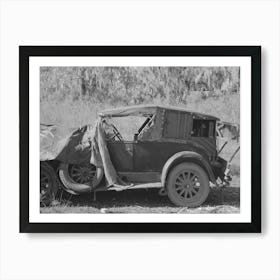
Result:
[25,52]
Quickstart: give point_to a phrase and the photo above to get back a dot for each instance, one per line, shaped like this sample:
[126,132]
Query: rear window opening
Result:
[203,128]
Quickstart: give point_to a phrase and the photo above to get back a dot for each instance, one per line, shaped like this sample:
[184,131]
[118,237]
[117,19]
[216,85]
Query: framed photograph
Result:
[140,138]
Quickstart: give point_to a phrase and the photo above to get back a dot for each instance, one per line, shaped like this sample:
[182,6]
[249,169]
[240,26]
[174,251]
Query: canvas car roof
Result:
[147,110]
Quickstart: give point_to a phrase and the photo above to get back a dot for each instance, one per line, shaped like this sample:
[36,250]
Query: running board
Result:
[131,187]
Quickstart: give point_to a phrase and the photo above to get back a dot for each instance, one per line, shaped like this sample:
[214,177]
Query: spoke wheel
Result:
[48,184]
[187,185]
[82,174]
[80,178]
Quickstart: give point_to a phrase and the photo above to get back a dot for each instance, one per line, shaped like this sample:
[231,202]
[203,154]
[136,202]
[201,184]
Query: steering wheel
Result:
[116,133]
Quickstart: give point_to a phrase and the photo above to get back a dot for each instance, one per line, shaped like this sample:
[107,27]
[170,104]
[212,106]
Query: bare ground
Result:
[145,201]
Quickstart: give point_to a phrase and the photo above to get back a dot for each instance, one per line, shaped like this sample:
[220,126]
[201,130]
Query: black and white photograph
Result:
[142,135]
[139,139]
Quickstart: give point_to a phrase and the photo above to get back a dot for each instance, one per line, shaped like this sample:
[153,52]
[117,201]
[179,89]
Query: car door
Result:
[121,154]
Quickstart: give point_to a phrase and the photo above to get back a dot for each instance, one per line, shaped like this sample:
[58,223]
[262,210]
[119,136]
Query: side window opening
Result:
[127,126]
[203,128]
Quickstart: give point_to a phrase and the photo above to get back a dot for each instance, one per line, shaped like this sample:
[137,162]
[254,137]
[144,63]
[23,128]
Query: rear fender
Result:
[187,156]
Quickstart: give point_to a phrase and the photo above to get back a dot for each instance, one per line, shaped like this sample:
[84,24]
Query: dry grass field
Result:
[75,113]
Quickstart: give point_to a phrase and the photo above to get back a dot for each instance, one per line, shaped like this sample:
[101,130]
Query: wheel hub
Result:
[82,174]
[187,184]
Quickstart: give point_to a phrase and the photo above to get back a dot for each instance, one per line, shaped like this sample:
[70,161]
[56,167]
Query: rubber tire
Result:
[48,198]
[69,183]
[172,193]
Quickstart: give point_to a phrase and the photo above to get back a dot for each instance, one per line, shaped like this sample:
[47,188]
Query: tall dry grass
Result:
[78,112]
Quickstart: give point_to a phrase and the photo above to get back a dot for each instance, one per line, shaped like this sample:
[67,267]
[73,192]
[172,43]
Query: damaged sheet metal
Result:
[84,145]
[228,130]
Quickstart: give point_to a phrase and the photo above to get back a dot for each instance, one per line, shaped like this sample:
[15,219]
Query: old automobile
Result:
[168,148]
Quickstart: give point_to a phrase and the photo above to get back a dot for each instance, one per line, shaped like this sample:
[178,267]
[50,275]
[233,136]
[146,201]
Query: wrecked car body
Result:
[168,148]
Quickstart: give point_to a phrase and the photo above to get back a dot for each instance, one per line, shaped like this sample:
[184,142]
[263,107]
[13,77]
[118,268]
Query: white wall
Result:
[139,256]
